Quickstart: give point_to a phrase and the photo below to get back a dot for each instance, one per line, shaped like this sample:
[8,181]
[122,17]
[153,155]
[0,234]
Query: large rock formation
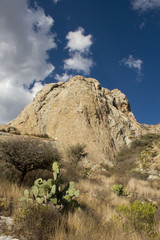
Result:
[81,111]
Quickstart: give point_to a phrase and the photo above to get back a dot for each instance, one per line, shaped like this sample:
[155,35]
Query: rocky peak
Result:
[81,111]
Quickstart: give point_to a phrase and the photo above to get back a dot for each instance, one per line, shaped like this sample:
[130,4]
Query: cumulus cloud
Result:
[78,42]
[78,63]
[133,63]
[13,98]
[36,88]
[25,40]
[144,5]
[79,60]
[64,77]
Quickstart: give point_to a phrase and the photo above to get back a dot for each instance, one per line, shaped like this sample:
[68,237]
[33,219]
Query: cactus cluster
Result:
[49,191]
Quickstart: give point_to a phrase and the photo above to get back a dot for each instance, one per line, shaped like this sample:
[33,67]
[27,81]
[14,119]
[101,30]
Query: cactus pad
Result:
[35,191]
[26,194]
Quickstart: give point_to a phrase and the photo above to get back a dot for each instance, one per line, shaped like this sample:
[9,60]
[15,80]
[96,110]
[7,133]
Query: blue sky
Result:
[116,42]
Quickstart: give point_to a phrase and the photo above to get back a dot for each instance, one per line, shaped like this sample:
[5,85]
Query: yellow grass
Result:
[93,220]
[9,194]
[142,188]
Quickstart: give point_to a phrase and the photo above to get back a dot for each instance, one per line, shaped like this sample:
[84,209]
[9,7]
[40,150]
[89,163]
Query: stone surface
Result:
[7,238]
[81,111]
[8,221]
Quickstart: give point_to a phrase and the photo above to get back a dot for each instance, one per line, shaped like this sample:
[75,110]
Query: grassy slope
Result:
[97,200]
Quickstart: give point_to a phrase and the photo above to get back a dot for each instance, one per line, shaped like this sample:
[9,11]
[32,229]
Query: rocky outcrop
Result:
[81,111]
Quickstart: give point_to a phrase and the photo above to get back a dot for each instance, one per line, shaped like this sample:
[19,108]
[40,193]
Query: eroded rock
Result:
[81,111]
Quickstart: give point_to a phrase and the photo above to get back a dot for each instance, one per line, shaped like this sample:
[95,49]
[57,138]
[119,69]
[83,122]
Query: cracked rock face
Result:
[81,111]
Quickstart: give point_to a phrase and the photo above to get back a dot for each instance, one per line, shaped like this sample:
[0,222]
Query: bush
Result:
[76,153]
[38,223]
[138,215]
[119,190]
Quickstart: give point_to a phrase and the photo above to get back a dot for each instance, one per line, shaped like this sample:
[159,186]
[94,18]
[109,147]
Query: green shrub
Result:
[138,215]
[86,172]
[119,190]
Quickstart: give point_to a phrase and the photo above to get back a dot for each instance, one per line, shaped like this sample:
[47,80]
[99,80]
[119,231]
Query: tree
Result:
[28,154]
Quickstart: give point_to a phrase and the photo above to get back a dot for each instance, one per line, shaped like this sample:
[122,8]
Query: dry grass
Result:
[143,188]
[38,223]
[9,195]
[92,221]
[96,217]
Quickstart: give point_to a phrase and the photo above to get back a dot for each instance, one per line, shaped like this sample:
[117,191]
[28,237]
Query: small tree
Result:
[28,154]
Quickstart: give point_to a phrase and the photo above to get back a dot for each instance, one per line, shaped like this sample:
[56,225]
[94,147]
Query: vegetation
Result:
[27,155]
[126,161]
[119,190]
[11,129]
[43,204]
[44,135]
[76,153]
[139,215]
[102,215]
[49,192]
[92,221]
[38,223]
[145,141]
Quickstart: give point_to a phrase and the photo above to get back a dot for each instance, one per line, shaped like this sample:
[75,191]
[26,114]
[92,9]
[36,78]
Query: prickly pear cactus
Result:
[70,192]
[26,194]
[35,191]
[44,192]
[55,168]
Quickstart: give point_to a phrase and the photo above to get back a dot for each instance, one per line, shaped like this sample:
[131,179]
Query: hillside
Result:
[134,179]
[81,111]
[100,150]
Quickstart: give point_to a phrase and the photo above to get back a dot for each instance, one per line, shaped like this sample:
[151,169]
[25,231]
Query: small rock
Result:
[7,238]
[152,177]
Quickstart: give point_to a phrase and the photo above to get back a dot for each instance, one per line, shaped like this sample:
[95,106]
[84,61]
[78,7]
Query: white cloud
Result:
[12,100]
[55,1]
[25,40]
[133,63]
[78,63]
[36,88]
[64,77]
[144,5]
[78,42]
[79,60]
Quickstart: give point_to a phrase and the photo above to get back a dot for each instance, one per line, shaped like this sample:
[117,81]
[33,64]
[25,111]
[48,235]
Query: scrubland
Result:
[122,203]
